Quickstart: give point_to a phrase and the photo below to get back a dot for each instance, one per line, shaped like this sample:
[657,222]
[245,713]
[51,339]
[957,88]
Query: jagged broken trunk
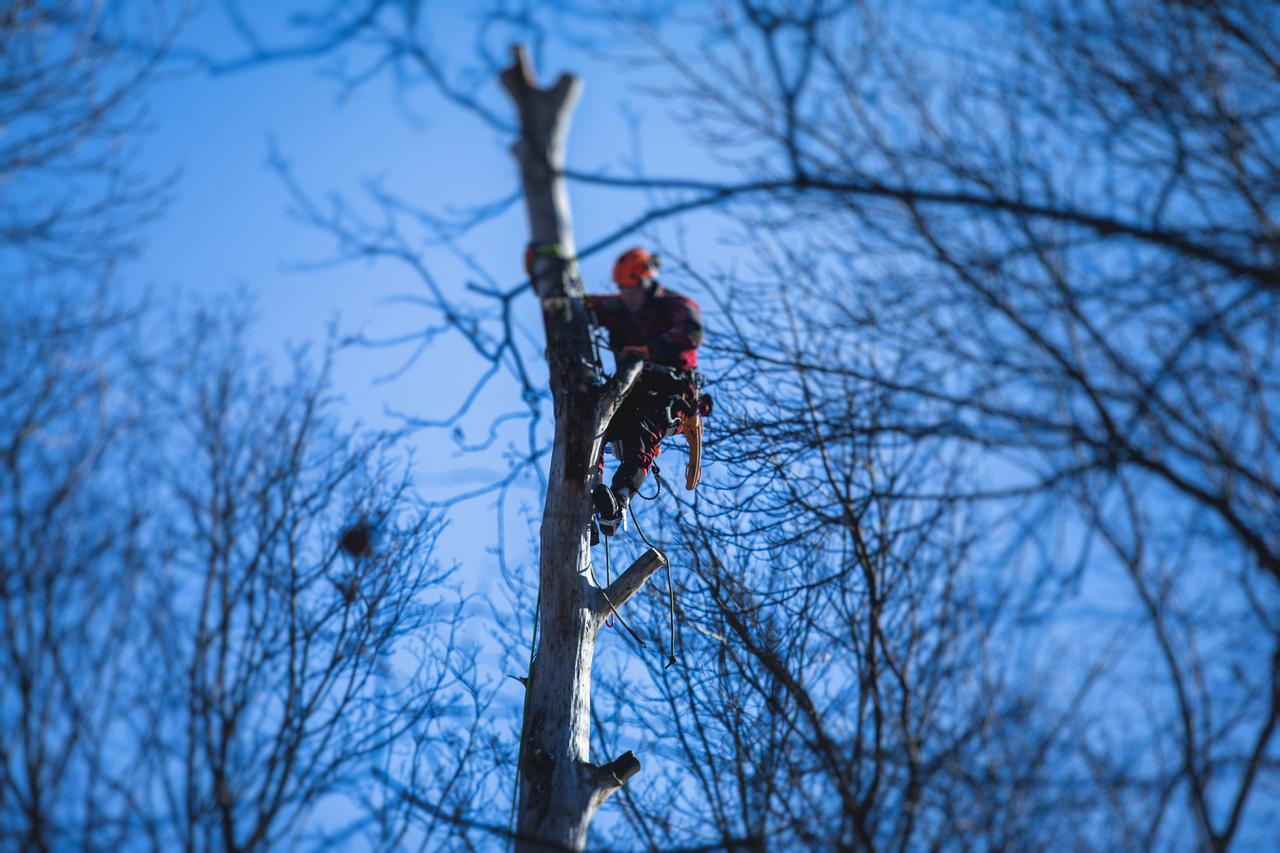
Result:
[560,789]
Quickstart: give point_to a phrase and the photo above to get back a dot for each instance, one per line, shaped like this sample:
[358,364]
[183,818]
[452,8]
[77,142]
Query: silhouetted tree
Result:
[281,669]
[72,519]
[190,656]
[222,621]
[73,76]
[1053,250]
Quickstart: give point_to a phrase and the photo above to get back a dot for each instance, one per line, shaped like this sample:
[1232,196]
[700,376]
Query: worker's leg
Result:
[638,452]
[638,430]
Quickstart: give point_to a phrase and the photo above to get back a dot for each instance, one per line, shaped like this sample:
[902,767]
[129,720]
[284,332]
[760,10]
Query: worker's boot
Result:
[611,506]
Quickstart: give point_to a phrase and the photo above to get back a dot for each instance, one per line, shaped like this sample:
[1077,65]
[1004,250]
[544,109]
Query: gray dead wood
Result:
[560,789]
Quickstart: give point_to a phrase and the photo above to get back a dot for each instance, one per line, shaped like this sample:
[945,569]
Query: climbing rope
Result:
[524,717]
[658,480]
[595,333]
[671,590]
[608,572]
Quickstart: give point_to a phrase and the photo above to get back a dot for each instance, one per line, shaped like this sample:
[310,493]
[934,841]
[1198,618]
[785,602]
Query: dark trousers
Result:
[639,426]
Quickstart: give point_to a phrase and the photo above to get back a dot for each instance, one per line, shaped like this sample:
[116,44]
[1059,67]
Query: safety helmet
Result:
[634,267]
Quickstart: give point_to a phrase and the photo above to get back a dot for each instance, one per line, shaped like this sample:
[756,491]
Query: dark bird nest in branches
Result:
[357,540]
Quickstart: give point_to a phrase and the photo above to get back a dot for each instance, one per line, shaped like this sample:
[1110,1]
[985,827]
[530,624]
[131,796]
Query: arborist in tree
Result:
[646,319]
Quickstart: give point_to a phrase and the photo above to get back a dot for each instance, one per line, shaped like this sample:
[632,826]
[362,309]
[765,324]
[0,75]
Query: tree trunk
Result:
[560,789]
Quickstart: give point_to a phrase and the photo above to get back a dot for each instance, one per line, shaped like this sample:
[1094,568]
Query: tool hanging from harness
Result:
[685,414]
[693,434]
[681,405]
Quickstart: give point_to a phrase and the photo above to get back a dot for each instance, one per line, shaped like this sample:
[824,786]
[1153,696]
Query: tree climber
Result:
[646,319]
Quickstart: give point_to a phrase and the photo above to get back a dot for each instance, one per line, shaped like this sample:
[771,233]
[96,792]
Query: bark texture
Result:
[560,789]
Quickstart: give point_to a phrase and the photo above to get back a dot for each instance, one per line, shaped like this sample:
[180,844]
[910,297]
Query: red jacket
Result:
[668,324]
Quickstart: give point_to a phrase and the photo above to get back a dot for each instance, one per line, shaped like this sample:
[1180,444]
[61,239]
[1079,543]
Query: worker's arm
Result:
[683,334]
[603,309]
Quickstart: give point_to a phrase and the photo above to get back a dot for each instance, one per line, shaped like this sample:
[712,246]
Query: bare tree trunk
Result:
[560,789]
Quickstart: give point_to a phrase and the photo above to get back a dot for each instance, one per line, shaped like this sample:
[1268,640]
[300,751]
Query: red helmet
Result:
[633,267]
